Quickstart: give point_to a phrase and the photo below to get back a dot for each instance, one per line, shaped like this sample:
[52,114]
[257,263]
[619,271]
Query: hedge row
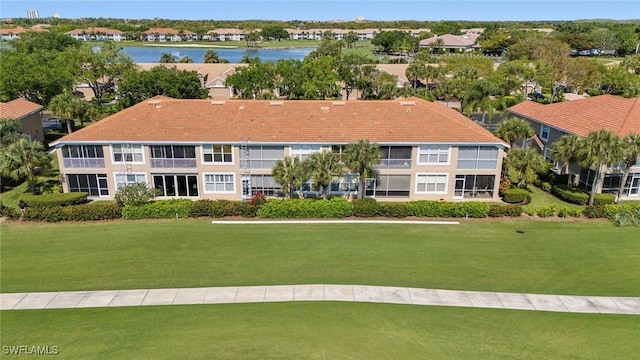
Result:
[306,208]
[222,208]
[164,209]
[85,212]
[515,195]
[580,197]
[426,208]
[52,200]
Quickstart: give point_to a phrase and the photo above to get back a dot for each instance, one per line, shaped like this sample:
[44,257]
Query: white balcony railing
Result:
[84,163]
[173,163]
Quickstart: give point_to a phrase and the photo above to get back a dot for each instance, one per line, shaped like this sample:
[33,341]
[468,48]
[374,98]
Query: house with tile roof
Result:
[29,115]
[168,34]
[213,149]
[97,34]
[452,43]
[12,33]
[580,117]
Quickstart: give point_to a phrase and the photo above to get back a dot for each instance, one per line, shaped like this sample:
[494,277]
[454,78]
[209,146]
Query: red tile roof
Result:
[95,30]
[465,40]
[18,108]
[167,31]
[580,117]
[163,119]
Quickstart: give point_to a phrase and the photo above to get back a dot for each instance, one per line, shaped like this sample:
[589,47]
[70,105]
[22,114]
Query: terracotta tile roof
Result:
[211,71]
[452,40]
[167,31]
[18,108]
[163,119]
[94,30]
[580,117]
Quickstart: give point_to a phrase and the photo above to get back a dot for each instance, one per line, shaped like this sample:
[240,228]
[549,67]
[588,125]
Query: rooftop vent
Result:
[407,103]
[324,109]
[241,107]
[217,102]
[155,103]
[338,103]
[276,103]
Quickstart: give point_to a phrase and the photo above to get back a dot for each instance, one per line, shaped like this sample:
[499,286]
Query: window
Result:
[219,183]
[173,156]
[83,156]
[392,185]
[339,151]
[474,186]
[128,179]
[431,183]
[303,151]
[477,157]
[127,152]
[176,185]
[395,157]
[346,184]
[94,184]
[261,157]
[544,132]
[261,183]
[217,154]
[434,154]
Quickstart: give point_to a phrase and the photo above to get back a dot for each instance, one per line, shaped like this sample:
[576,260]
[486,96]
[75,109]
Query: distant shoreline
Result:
[197,46]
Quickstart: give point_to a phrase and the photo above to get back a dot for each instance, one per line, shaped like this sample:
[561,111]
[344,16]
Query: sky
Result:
[423,10]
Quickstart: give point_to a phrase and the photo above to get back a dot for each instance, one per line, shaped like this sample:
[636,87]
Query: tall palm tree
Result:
[23,159]
[479,97]
[600,150]
[362,158]
[524,165]
[631,149]
[565,151]
[167,58]
[68,107]
[416,71]
[323,167]
[212,57]
[290,173]
[513,128]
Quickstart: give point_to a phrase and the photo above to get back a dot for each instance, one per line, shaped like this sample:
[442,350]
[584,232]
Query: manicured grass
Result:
[11,198]
[321,331]
[558,257]
[540,198]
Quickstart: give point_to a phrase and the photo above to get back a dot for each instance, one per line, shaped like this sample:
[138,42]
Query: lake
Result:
[152,54]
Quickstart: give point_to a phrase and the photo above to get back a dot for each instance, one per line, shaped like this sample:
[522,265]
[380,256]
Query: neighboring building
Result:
[97,34]
[168,34]
[29,115]
[8,34]
[212,149]
[213,76]
[225,35]
[32,14]
[452,43]
[580,117]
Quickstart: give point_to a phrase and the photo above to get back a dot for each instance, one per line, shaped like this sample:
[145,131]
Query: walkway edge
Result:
[262,222]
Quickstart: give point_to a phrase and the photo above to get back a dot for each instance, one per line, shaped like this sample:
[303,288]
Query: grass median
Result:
[552,257]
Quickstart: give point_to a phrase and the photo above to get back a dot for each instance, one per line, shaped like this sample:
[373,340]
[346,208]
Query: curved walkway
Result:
[349,293]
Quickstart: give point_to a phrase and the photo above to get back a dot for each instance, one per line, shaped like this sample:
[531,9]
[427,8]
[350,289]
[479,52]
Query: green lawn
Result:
[321,331]
[540,198]
[558,257]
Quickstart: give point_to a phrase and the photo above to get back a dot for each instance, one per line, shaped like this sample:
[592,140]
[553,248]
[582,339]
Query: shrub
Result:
[611,210]
[366,207]
[221,208]
[426,208]
[604,199]
[136,194]
[515,195]
[163,209]
[505,184]
[530,212]
[244,209]
[498,210]
[306,208]
[83,212]
[547,211]
[566,211]
[393,209]
[627,217]
[9,212]
[258,199]
[472,209]
[50,200]
[546,186]
[595,211]
[570,194]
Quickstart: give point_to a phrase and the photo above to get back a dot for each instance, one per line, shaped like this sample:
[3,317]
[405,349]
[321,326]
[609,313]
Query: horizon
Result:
[329,10]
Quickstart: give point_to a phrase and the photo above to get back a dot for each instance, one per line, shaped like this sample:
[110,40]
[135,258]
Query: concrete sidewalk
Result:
[349,293]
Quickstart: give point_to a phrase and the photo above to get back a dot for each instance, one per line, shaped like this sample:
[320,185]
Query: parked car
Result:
[536,96]
[51,124]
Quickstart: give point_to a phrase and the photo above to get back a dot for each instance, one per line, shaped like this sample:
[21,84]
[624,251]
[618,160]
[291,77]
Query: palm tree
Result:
[600,150]
[323,167]
[631,149]
[68,107]
[513,128]
[479,97]
[167,58]
[362,158]
[524,165]
[186,60]
[415,71]
[212,57]
[290,173]
[9,128]
[565,151]
[23,159]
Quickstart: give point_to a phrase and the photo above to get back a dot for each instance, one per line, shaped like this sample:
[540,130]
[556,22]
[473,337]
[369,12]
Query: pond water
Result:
[152,54]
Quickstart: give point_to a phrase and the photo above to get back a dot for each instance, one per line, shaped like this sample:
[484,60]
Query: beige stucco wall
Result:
[32,126]
[113,168]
